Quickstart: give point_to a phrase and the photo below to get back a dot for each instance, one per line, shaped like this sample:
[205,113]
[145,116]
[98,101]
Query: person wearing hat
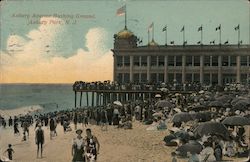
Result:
[78,147]
[39,139]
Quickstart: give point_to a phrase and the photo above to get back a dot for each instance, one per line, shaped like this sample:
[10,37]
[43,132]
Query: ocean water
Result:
[50,96]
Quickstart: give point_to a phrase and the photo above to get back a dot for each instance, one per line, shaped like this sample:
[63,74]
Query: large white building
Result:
[207,64]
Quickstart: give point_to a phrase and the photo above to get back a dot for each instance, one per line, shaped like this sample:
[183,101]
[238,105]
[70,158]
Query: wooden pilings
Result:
[104,97]
[81,100]
[75,98]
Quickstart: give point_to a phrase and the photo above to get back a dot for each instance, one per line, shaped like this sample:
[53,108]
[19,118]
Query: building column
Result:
[201,69]
[183,69]
[114,66]
[131,69]
[219,70]
[238,73]
[166,69]
[148,68]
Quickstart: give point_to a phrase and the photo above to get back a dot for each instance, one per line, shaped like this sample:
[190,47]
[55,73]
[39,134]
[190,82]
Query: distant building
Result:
[205,64]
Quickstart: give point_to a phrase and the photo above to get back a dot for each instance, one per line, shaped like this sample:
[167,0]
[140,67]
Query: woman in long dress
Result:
[78,147]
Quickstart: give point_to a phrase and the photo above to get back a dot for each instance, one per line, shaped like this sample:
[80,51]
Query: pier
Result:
[104,97]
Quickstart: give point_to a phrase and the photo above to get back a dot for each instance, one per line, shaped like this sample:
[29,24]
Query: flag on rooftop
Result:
[182,29]
[165,28]
[200,28]
[237,27]
[218,28]
[151,26]
[121,11]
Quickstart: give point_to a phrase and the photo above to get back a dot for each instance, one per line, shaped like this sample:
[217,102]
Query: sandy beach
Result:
[117,145]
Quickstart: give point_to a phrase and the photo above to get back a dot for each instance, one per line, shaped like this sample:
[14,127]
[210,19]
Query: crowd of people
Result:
[175,86]
[199,124]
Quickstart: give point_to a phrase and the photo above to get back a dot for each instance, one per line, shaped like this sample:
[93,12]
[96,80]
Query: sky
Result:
[61,41]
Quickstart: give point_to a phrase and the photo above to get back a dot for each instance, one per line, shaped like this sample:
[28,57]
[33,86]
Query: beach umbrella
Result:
[240,106]
[216,104]
[236,121]
[245,102]
[199,108]
[181,117]
[164,90]
[118,103]
[157,114]
[164,103]
[211,128]
[182,135]
[192,147]
[201,92]
[157,96]
[201,116]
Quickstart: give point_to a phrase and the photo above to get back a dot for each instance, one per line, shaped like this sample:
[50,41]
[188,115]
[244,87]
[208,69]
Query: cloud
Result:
[34,64]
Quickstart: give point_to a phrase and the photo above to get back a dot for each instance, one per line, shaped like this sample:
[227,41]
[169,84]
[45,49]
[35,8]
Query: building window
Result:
[136,61]
[161,77]
[189,77]
[225,61]
[119,61]
[178,77]
[126,61]
[206,78]
[143,77]
[243,61]
[178,60]
[196,60]
[171,77]
[197,78]
[143,60]
[243,78]
[161,60]
[229,78]
[136,78]
[214,60]
[153,60]
[126,78]
[232,60]
[189,60]
[207,60]
[170,60]
[214,78]
[119,77]
[153,77]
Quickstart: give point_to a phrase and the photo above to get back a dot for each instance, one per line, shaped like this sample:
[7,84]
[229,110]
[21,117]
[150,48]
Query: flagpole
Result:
[148,37]
[166,38]
[153,30]
[125,17]
[183,35]
[239,36]
[201,34]
[220,34]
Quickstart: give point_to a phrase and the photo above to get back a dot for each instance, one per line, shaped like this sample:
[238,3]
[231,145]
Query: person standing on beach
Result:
[91,149]
[78,147]
[104,120]
[16,131]
[52,126]
[10,151]
[75,120]
[39,139]
[10,122]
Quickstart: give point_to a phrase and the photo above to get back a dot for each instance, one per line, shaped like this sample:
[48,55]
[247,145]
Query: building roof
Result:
[153,43]
[125,33]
